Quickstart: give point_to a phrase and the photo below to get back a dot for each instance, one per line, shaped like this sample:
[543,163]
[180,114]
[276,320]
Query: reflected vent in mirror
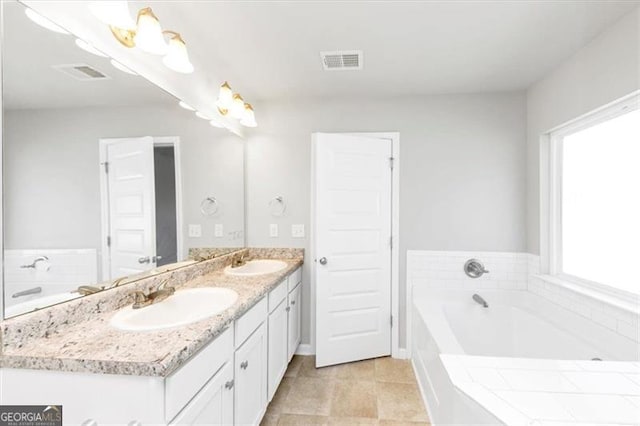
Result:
[82,72]
[342,60]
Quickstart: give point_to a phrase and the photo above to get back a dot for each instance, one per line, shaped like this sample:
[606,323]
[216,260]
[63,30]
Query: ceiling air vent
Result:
[342,60]
[81,72]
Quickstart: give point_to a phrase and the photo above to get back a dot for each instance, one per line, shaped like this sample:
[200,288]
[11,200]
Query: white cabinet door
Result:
[294,321]
[213,405]
[251,378]
[278,346]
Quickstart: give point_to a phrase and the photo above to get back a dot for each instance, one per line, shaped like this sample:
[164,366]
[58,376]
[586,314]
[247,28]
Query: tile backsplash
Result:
[515,271]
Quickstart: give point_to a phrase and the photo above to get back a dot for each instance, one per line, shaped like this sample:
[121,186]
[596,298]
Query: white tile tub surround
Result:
[444,269]
[624,320]
[548,392]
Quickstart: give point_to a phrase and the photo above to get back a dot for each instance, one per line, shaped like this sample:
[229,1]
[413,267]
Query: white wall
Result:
[601,72]
[462,170]
[52,192]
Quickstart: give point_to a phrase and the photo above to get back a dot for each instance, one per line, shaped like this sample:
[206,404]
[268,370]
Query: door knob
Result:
[145,259]
[323,260]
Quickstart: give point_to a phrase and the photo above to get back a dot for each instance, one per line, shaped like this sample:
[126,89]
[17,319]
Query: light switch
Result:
[297,231]
[273,230]
[195,231]
[218,230]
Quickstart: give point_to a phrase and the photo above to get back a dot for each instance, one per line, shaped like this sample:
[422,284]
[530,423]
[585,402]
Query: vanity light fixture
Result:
[203,115]
[146,34]
[186,106]
[44,22]
[89,48]
[237,107]
[216,123]
[122,68]
[225,98]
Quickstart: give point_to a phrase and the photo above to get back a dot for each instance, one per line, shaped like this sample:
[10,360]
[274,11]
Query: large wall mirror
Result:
[104,175]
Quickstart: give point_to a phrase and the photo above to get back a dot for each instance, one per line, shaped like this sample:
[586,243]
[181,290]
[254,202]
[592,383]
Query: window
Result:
[595,199]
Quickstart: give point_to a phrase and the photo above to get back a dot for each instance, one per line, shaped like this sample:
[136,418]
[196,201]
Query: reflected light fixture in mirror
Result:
[225,98]
[117,65]
[115,13]
[203,115]
[237,107]
[149,37]
[44,22]
[217,124]
[89,48]
[186,106]
[249,118]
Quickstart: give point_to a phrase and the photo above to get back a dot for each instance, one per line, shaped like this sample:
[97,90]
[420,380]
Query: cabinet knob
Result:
[323,261]
[134,423]
[293,302]
[244,365]
[229,384]
[89,422]
[288,308]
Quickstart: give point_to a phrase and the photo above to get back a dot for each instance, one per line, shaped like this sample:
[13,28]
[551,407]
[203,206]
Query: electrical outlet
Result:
[218,230]
[297,231]
[273,230]
[195,231]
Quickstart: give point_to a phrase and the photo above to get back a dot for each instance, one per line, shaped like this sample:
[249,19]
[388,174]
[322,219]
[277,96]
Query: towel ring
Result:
[209,206]
[277,206]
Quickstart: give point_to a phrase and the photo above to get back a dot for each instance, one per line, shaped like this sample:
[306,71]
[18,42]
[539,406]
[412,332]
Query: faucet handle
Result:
[138,296]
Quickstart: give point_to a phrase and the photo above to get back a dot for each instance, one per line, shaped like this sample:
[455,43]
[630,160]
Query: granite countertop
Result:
[93,346]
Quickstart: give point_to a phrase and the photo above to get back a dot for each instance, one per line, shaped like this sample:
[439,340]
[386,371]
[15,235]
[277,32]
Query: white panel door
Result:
[131,206]
[352,242]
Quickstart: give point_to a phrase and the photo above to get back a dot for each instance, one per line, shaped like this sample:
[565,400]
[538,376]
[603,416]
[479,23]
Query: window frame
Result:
[551,225]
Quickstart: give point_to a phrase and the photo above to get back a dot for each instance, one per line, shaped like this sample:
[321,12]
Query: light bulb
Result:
[44,22]
[113,13]
[186,106]
[149,37]
[249,118]
[177,58]
[225,98]
[122,68]
[89,48]
[237,107]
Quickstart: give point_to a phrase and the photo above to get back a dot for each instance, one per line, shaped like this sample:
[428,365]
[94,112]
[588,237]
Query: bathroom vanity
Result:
[220,370]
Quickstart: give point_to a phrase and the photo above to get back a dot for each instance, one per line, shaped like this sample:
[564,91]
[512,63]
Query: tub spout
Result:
[478,299]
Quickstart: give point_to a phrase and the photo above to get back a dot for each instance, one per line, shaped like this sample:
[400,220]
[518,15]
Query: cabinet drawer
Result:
[247,323]
[277,295]
[185,383]
[294,279]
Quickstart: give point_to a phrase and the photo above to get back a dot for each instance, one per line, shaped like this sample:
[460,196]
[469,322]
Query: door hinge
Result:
[391,160]
[108,240]
[106,167]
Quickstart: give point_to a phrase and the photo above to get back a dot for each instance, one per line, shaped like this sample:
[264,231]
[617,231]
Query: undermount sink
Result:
[256,267]
[183,307]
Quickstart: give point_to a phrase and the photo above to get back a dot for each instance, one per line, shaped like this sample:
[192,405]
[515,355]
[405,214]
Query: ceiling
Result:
[270,50]
[30,82]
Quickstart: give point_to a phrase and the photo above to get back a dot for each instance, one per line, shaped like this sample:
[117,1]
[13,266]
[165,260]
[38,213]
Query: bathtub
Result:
[517,324]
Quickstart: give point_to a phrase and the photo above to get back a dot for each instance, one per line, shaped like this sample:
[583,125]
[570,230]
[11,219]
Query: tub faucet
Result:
[478,299]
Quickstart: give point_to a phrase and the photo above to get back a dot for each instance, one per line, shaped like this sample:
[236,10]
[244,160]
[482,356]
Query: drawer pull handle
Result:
[244,365]
[229,384]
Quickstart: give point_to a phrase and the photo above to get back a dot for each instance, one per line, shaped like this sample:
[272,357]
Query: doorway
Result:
[354,231]
[141,196]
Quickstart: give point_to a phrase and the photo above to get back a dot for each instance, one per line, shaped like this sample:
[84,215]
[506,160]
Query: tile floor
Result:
[380,391]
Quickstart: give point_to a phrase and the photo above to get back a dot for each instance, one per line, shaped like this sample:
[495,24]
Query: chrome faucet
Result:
[478,299]
[161,292]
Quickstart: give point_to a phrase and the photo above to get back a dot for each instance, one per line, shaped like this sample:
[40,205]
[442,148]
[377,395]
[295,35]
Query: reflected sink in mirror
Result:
[256,267]
[182,308]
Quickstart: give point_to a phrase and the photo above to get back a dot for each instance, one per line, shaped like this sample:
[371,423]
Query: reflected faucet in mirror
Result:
[239,260]
[86,290]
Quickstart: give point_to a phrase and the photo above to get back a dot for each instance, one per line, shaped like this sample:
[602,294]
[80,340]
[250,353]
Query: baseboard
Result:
[305,349]
[401,353]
